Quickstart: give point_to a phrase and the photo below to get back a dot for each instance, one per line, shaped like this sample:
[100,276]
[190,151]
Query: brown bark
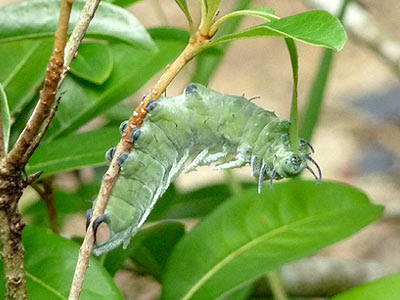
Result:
[47,94]
[11,225]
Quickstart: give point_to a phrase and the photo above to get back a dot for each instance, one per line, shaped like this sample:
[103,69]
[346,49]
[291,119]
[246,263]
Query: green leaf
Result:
[122,3]
[117,113]
[149,248]
[50,262]
[317,28]
[132,69]
[262,12]
[386,288]
[93,63]
[22,70]
[194,204]
[152,249]
[183,6]
[5,117]
[252,233]
[73,151]
[39,18]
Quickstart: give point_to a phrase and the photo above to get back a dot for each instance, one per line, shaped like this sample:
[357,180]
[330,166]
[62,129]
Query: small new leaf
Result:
[183,6]
[93,63]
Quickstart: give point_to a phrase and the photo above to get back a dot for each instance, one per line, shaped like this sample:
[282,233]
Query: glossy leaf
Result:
[39,18]
[93,63]
[5,118]
[132,68]
[149,248]
[22,70]
[317,28]
[252,233]
[116,114]
[50,262]
[73,151]
[194,204]
[386,288]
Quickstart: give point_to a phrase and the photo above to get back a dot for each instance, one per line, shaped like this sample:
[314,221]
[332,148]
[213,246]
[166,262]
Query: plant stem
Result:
[12,252]
[48,198]
[233,183]
[275,282]
[47,94]
[316,96]
[206,65]
[294,114]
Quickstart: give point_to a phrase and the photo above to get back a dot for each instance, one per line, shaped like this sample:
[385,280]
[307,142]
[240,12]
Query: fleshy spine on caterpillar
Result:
[209,126]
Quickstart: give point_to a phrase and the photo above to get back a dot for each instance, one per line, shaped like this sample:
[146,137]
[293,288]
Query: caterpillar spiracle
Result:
[208,126]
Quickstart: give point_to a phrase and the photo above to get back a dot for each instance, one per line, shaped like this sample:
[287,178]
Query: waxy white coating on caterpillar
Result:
[208,126]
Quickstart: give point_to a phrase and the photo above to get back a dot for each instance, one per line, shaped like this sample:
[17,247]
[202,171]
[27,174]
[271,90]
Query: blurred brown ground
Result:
[260,67]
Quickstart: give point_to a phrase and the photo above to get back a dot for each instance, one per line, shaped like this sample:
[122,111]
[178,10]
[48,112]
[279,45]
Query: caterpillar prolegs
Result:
[208,126]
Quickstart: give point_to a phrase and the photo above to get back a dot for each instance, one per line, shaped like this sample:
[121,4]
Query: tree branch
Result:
[11,182]
[78,34]
[35,143]
[47,94]
[110,177]
[12,252]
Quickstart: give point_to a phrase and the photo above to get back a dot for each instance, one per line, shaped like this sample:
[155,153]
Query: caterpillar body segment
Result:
[206,126]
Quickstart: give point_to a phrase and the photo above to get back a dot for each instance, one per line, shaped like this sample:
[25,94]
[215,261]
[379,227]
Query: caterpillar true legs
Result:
[208,126]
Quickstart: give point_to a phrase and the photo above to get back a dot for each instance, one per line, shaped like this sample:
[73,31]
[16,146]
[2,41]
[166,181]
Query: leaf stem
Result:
[48,198]
[203,21]
[237,13]
[207,64]
[316,95]
[233,182]
[275,282]
[294,115]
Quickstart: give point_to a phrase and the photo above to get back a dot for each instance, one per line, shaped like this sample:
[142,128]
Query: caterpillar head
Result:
[277,160]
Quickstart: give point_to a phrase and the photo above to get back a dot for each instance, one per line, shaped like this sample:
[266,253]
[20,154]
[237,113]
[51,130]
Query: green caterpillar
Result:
[208,126]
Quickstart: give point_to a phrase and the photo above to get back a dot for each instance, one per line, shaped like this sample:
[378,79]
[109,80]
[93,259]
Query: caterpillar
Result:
[204,124]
